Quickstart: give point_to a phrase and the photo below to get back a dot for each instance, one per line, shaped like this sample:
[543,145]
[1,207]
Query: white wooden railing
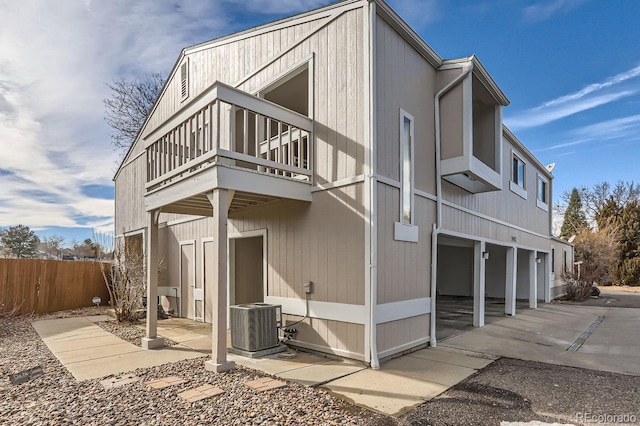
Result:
[227,126]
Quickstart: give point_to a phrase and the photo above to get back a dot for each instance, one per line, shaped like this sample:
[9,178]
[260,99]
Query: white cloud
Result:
[615,128]
[280,7]
[539,116]
[619,78]
[543,10]
[56,59]
[589,97]
[418,13]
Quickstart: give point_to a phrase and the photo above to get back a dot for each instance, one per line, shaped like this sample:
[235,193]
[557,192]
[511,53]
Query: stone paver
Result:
[165,382]
[264,384]
[118,381]
[200,393]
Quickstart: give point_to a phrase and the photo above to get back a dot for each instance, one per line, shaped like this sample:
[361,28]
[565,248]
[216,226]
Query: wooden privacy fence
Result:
[42,286]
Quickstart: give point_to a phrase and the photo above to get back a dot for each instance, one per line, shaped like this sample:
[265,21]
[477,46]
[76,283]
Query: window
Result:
[542,190]
[542,200]
[184,80]
[406,147]
[517,184]
[517,174]
[405,230]
[553,260]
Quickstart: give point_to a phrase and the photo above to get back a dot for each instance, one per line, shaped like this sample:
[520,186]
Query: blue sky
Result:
[571,69]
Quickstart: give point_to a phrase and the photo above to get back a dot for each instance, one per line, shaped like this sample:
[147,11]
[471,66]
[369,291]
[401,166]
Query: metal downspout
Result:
[373,250]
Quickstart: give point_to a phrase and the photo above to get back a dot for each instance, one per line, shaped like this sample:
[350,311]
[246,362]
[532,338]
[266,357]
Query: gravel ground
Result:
[57,398]
[515,390]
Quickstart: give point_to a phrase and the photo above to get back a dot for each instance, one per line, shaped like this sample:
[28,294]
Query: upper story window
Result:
[518,176]
[543,194]
[406,147]
[184,80]
[518,172]
[404,230]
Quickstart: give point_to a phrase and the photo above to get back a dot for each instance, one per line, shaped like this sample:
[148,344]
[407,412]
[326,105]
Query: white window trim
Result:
[541,204]
[514,187]
[406,231]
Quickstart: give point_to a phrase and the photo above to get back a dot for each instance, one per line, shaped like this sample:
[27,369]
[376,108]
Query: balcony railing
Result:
[226,126]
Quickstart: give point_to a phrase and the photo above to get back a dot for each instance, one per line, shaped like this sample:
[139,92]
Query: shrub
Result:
[596,253]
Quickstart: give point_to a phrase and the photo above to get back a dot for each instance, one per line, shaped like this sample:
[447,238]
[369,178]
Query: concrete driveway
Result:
[591,335]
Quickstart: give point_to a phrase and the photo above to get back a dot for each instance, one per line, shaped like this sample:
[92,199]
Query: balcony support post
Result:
[151,339]
[217,291]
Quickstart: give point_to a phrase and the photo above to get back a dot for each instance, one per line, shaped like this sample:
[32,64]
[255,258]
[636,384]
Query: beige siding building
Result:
[336,148]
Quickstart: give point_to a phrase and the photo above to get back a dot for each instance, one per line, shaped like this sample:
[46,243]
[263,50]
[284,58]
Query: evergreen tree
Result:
[574,217]
[21,241]
[627,268]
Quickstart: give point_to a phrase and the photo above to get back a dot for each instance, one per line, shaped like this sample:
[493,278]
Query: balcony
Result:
[471,129]
[227,138]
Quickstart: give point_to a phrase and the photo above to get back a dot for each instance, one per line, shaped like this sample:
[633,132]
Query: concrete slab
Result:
[92,341]
[95,352]
[383,391]
[202,344]
[103,366]
[89,352]
[533,337]
[427,370]
[316,374]
[274,365]
[455,357]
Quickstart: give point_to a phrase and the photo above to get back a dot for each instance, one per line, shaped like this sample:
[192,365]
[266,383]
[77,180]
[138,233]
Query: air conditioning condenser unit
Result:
[254,326]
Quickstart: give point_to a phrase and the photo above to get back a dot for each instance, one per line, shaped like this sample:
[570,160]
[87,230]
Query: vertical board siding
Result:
[129,192]
[403,267]
[394,334]
[404,80]
[338,81]
[43,286]
[341,338]
[322,242]
[505,205]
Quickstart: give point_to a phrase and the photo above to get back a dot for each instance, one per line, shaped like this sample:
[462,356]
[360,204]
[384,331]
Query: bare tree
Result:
[128,107]
[53,245]
[126,276]
[596,198]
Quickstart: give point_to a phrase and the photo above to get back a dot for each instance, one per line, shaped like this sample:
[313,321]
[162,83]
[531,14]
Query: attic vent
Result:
[184,82]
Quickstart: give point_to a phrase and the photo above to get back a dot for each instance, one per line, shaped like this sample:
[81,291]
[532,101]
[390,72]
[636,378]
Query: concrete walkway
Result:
[548,334]
[90,352]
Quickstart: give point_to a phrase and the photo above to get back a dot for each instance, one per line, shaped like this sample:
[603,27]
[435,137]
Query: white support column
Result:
[547,278]
[533,280]
[511,279]
[151,340]
[218,296]
[479,249]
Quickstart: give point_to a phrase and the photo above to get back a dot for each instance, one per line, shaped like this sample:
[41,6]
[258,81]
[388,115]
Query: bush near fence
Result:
[42,286]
